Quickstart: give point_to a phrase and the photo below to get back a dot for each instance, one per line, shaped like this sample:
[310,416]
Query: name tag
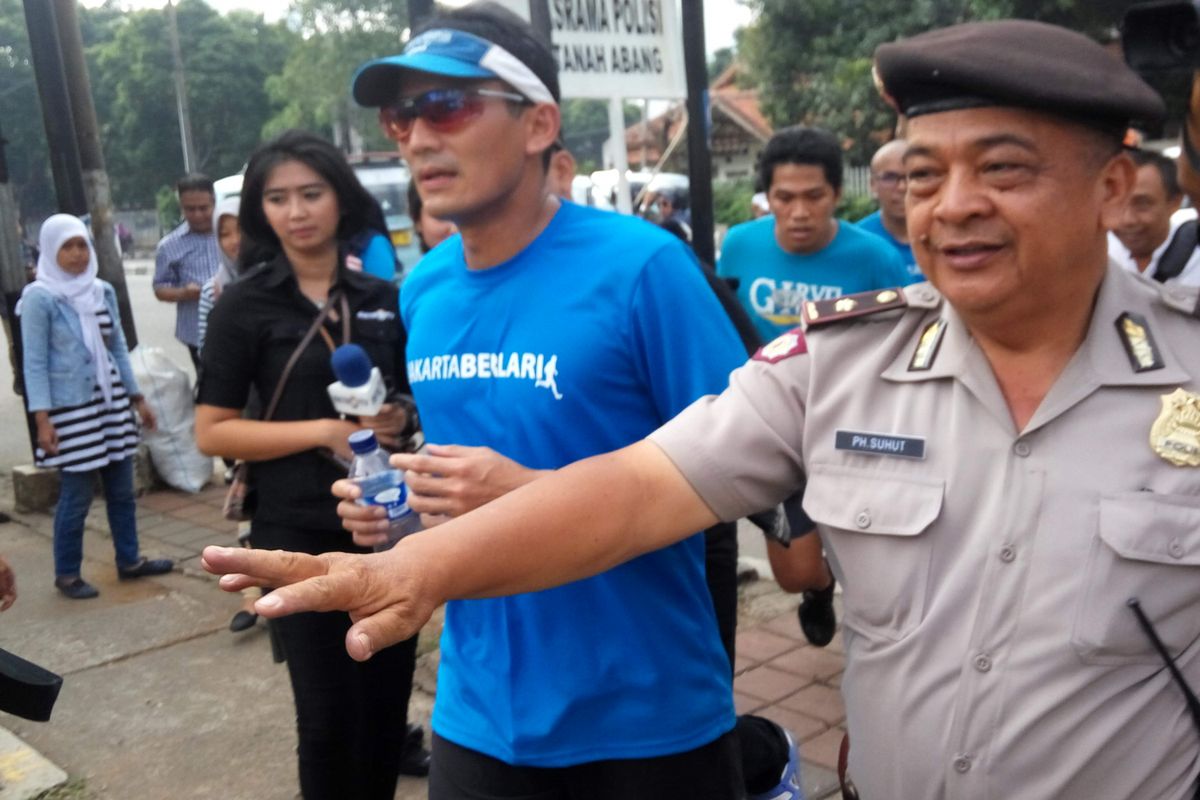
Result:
[880,444]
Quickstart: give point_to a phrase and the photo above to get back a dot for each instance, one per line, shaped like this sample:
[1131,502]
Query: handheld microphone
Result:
[359,389]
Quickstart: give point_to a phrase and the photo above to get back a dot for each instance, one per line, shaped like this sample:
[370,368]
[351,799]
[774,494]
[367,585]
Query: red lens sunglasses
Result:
[444,110]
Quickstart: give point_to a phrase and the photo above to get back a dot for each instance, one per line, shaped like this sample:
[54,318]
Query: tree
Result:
[226,62]
[585,129]
[812,58]
[720,61]
[312,90]
[21,116]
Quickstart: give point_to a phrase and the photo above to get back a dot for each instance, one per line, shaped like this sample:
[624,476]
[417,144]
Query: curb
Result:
[24,772]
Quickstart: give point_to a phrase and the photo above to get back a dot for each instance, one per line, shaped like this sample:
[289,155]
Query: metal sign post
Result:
[699,151]
[616,125]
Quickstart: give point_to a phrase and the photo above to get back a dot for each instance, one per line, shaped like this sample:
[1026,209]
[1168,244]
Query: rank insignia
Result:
[789,344]
[819,312]
[927,346]
[1175,435]
[1139,343]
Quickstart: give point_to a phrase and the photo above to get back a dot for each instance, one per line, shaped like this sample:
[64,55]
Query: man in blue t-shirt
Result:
[801,252]
[545,333]
[889,185]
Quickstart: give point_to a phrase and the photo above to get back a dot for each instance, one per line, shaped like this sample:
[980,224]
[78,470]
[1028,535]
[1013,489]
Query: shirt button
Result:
[863,520]
[983,663]
[1008,554]
[1175,548]
[1022,448]
[962,764]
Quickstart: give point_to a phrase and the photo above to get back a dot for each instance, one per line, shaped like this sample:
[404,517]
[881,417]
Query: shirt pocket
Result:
[1148,547]
[875,526]
[282,339]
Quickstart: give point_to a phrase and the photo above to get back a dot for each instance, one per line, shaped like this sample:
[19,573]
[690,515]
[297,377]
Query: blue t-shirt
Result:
[773,284]
[873,223]
[379,257]
[599,331]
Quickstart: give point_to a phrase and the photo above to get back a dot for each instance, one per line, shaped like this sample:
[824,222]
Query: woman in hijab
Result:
[229,239]
[81,391]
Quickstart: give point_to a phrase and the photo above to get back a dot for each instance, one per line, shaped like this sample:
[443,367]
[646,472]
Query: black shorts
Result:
[710,772]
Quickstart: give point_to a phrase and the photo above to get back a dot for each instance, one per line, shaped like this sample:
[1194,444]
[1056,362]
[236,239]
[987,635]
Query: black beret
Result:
[1015,63]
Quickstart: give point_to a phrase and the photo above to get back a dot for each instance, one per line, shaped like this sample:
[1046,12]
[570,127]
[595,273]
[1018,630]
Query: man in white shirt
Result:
[1151,237]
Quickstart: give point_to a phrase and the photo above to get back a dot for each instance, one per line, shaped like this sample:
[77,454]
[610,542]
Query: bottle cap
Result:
[362,442]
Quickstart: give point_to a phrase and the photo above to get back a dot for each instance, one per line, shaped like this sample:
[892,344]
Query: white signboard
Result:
[615,48]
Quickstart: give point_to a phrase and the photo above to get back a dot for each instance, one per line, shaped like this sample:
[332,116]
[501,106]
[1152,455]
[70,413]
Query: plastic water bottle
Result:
[382,486]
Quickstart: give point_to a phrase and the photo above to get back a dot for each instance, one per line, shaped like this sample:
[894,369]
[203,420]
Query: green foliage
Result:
[226,63]
[312,89]
[812,58]
[21,116]
[74,789]
[731,201]
[166,203]
[585,129]
[720,61]
[852,208]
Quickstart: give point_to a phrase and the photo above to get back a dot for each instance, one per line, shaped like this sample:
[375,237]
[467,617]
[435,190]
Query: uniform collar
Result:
[279,272]
[1101,360]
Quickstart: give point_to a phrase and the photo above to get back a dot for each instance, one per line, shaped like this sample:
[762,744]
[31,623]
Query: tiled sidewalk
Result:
[778,674]
[782,677]
[180,525]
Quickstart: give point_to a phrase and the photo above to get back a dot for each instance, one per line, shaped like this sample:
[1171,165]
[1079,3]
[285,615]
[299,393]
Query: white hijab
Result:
[227,271]
[82,292]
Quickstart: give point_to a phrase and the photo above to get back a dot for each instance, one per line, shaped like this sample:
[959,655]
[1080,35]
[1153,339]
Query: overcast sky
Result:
[721,17]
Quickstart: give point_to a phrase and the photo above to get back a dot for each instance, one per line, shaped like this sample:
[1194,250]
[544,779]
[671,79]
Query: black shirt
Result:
[253,329]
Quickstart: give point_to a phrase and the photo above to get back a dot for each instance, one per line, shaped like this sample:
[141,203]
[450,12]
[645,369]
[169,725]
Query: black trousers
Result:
[762,747]
[351,717]
[710,772]
[720,573]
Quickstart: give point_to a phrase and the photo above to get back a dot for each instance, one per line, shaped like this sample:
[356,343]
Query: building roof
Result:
[739,105]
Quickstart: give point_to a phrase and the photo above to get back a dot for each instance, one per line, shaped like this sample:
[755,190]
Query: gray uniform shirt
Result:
[990,651]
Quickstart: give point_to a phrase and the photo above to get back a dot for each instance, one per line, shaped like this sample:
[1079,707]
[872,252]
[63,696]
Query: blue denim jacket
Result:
[58,368]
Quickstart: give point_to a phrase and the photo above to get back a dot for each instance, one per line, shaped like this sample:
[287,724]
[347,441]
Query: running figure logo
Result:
[549,378]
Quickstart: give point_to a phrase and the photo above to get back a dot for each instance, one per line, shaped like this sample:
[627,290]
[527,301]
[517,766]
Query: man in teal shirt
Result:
[889,185]
[801,252]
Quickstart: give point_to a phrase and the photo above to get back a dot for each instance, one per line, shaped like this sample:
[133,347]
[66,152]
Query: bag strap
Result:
[1178,252]
[345,309]
[317,326]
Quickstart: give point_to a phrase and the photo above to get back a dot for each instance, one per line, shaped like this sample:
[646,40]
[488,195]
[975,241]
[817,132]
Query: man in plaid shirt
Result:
[187,257]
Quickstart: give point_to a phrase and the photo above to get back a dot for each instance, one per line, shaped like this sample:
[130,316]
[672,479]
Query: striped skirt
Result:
[95,434]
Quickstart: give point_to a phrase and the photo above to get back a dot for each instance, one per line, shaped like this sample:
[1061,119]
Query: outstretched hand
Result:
[388,598]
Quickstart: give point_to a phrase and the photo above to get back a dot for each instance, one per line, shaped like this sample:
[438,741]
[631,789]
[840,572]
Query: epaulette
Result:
[852,306]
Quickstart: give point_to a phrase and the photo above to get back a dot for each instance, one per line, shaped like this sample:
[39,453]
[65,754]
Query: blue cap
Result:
[362,442]
[351,365]
[449,52]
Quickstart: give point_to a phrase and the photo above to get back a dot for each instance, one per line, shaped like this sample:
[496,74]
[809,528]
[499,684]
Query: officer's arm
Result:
[574,523]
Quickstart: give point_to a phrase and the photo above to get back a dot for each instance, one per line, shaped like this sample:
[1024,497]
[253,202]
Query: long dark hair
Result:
[358,208]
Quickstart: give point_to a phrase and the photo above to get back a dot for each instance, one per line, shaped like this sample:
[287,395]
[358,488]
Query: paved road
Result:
[155,326]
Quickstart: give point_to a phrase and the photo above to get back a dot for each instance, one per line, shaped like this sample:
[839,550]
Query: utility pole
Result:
[56,106]
[12,277]
[418,10]
[91,159]
[181,101]
[699,155]
[539,18]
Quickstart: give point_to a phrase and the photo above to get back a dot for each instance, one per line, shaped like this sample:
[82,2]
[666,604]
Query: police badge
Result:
[1175,435]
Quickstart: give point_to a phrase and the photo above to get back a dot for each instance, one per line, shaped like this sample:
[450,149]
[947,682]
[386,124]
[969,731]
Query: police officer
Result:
[998,461]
